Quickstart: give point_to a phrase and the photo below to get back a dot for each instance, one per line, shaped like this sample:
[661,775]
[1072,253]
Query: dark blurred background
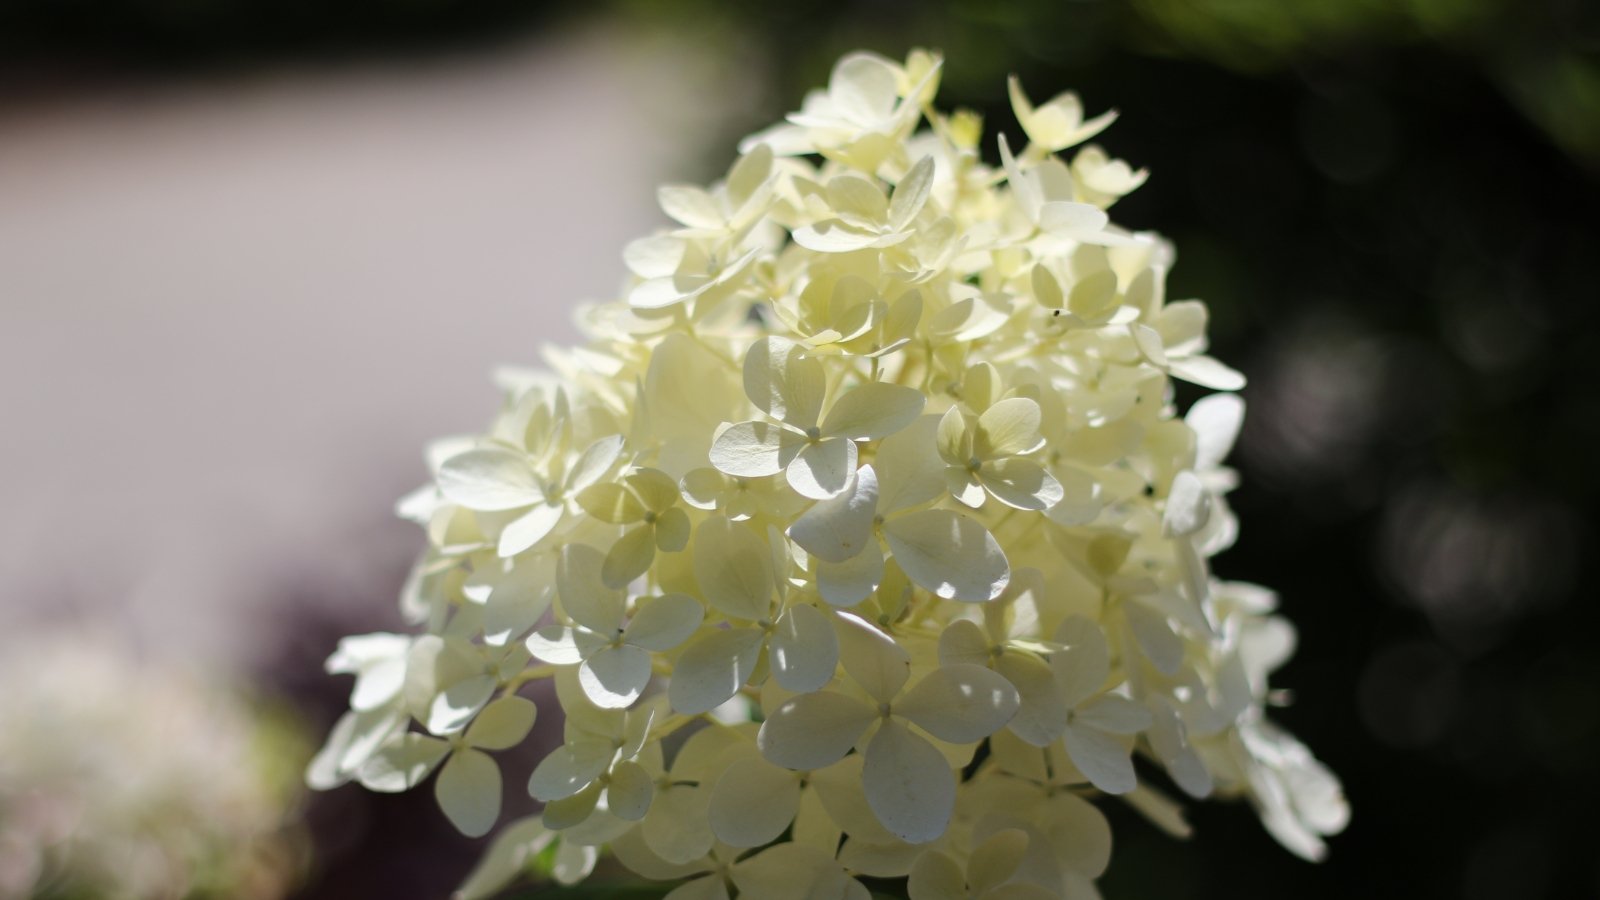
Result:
[1390,207]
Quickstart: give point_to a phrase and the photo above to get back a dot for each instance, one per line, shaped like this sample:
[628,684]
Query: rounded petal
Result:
[908,784]
[614,677]
[629,557]
[963,641]
[949,554]
[1215,419]
[836,529]
[872,411]
[528,529]
[468,790]
[555,645]
[1041,714]
[1207,372]
[1188,505]
[1008,428]
[854,580]
[908,466]
[733,567]
[1021,484]
[672,530]
[1102,758]
[403,763]
[960,703]
[676,828]
[753,802]
[813,730]
[871,657]
[490,479]
[822,469]
[713,668]
[508,857]
[783,382]
[755,449]
[569,769]
[1082,668]
[664,623]
[502,724]
[935,876]
[629,791]
[456,705]
[995,860]
[803,649]
[790,871]
[584,594]
[1114,714]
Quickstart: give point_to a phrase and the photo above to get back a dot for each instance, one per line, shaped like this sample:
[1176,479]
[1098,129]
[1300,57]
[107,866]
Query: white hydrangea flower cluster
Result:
[862,538]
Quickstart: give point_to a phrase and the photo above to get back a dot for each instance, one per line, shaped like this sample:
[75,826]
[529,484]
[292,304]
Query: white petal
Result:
[755,449]
[783,382]
[508,857]
[908,466]
[468,790]
[836,529]
[1079,832]
[614,677]
[555,645]
[1216,419]
[949,554]
[935,876]
[455,706]
[664,623]
[908,784]
[713,668]
[629,557]
[528,529]
[852,581]
[1114,714]
[753,802]
[1188,505]
[1171,745]
[803,649]
[733,566]
[823,469]
[813,730]
[569,769]
[403,763]
[490,479]
[1022,484]
[1207,372]
[790,871]
[874,410]
[570,812]
[1008,428]
[502,724]
[871,657]
[709,887]
[630,791]
[911,194]
[1039,717]
[1064,217]
[1161,645]
[584,594]
[595,460]
[995,861]
[676,828]
[960,703]
[963,641]
[1103,759]
[1082,668]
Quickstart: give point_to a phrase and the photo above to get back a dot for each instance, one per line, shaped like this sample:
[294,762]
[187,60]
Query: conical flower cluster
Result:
[862,537]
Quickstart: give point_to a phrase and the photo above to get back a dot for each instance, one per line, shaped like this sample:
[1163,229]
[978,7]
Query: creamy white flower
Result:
[877,446]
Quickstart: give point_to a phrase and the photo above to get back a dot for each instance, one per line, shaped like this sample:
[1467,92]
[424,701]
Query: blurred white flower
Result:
[126,777]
